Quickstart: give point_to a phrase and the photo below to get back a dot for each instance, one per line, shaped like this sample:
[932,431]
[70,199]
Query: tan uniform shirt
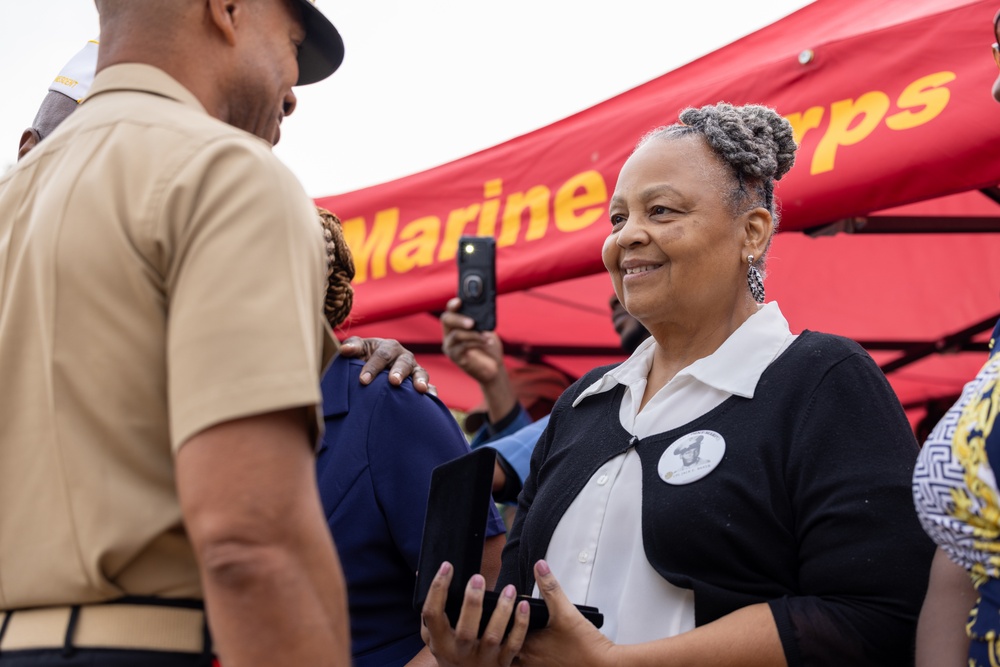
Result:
[160,272]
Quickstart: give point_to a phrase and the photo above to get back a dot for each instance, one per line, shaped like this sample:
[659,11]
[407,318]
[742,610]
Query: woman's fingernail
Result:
[522,607]
[397,375]
[366,377]
[543,568]
[445,568]
[478,583]
[508,591]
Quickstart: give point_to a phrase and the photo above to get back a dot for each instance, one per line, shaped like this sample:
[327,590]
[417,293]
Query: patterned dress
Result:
[958,502]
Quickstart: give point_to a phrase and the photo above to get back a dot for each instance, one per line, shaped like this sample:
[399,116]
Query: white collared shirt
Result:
[596,551]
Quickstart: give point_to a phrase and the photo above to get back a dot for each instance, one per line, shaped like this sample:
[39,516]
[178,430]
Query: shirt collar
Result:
[633,369]
[734,368]
[142,78]
[335,386]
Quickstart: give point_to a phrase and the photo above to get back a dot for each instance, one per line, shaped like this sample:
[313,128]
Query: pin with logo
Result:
[691,457]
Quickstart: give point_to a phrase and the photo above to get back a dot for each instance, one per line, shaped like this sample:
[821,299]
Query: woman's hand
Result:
[569,638]
[459,647]
[382,353]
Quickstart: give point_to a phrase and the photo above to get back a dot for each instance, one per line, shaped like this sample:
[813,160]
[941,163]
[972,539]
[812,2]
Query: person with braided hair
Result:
[790,541]
[374,470]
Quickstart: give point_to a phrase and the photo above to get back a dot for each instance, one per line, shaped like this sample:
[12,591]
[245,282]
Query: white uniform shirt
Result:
[596,550]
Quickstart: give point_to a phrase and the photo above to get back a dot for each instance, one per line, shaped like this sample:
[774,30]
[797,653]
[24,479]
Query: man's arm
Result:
[516,450]
[480,355]
[273,586]
[490,565]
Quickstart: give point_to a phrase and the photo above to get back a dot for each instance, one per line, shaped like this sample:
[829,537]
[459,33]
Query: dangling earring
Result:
[755,281]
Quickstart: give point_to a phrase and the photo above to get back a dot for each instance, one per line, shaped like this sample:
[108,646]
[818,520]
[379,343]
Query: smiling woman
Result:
[706,494]
[690,200]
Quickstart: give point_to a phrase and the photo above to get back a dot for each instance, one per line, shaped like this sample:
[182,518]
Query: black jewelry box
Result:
[455,531]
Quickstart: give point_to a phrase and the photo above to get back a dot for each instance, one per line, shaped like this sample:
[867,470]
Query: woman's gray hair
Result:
[755,142]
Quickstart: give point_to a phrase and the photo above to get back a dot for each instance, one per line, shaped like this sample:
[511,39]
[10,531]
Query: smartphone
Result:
[477,280]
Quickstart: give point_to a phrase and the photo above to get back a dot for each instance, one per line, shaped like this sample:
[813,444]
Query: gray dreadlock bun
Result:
[755,140]
[339,270]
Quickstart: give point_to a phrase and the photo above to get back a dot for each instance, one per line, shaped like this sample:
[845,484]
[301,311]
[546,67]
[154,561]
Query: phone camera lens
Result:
[473,287]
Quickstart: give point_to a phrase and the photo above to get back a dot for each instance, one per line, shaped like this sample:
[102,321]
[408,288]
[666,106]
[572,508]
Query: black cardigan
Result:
[809,510]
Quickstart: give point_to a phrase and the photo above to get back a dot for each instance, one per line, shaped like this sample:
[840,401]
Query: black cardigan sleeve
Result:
[863,558]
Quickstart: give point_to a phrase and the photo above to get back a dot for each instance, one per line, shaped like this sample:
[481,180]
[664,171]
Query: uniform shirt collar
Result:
[734,368]
[336,386]
[142,78]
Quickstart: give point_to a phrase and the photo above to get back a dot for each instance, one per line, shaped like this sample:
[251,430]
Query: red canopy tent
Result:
[890,102]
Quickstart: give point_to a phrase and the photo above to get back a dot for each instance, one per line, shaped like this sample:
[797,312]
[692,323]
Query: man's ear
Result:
[29,139]
[758,227]
[226,15]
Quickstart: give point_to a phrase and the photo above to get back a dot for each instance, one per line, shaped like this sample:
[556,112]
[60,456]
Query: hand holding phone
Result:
[477,280]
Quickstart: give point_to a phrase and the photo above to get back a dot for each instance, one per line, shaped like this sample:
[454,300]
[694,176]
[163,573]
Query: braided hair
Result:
[339,270]
[754,141]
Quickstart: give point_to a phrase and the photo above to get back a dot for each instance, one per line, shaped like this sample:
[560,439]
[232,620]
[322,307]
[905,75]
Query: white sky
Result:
[424,82]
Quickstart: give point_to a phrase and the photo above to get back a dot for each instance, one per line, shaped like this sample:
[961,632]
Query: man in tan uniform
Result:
[69,89]
[161,337]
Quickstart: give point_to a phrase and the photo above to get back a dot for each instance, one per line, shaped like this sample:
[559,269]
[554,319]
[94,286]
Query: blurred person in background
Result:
[67,90]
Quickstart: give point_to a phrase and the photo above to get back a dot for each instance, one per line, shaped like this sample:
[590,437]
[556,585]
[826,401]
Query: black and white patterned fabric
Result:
[954,486]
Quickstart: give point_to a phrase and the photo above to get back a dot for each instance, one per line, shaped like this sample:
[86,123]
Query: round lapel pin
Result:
[691,457]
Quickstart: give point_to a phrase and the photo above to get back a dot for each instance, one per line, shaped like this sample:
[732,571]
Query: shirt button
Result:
[583,557]
[602,480]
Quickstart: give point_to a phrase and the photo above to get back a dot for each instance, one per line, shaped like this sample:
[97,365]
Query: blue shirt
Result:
[374,469]
[516,442]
